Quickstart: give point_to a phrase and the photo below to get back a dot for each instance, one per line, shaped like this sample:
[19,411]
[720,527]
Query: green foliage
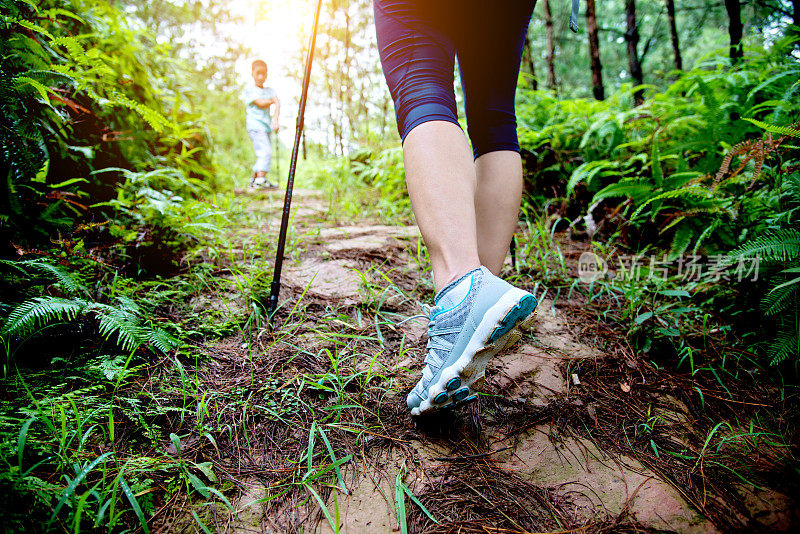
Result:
[122,322]
[77,92]
[156,217]
[368,183]
[700,167]
[662,155]
[777,252]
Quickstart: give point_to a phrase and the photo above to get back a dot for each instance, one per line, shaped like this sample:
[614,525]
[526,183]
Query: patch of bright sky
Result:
[276,31]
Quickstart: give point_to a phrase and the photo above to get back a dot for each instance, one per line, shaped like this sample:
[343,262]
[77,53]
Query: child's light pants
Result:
[262,146]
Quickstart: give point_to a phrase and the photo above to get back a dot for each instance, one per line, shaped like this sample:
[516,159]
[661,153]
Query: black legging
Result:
[418,40]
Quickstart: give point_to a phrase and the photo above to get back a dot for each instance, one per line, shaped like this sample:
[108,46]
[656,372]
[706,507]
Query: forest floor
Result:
[323,442]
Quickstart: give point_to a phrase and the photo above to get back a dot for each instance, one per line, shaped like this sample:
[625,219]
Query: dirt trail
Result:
[518,448]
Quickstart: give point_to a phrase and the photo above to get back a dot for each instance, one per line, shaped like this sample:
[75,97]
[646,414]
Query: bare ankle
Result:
[451,276]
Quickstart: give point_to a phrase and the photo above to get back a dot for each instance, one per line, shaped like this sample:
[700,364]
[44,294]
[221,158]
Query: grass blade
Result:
[70,489]
[200,524]
[134,504]
[23,436]
[416,501]
[400,503]
[312,435]
[333,459]
[324,509]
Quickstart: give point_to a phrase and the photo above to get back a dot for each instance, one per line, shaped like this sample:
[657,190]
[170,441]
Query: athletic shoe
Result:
[473,319]
[261,182]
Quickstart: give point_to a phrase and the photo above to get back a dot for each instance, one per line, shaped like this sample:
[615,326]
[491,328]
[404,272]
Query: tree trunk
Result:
[673,33]
[632,38]
[551,46]
[796,13]
[528,54]
[345,87]
[735,29]
[594,51]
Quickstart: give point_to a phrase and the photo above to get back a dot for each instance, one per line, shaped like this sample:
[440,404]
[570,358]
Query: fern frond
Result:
[776,246]
[40,311]
[773,128]
[689,192]
[122,322]
[780,296]
[785,345]
[655,163]
[704,235]
[56,12]
[58,272]
[587,171]
[713,112]
[785,101]
[681,240]
[161,340]
[43,91]
[636,189]
[680,179]
[791,188]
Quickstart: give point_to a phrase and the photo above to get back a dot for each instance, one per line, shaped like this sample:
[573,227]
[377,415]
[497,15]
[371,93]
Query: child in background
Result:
[258,100]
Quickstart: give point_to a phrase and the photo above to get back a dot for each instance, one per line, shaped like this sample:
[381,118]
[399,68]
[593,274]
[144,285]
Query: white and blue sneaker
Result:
[473,319]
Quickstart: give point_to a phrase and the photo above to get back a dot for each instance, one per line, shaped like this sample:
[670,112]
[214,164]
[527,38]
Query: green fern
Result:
[121,323]
[62,276]
[589,171]
[635,188]
[655,164]
[781,295]
[786,343]
[779,246]
[40,311]
[782,130]
[705,234]
[680,242]
[690,192]
[778,249]
[712,111]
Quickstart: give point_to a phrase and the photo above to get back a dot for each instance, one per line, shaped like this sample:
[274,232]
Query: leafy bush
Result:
[664,155]
[155,223]
[778,254]
[690,171]
[368,183]
[77,94]
[123,322]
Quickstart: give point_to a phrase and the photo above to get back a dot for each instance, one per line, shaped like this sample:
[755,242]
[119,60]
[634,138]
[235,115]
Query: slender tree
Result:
[673,33]
[594,51]
[528,55]
[632,38]
[551,46]
[735,29]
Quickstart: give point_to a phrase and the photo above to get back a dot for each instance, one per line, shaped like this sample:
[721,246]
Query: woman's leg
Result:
[497,199]
[418,60]
[441,183]
[489,49]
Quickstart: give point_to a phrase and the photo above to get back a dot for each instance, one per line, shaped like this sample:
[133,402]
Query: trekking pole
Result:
[275,288]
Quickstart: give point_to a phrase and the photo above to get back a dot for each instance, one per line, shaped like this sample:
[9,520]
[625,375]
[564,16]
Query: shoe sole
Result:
[459,382]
